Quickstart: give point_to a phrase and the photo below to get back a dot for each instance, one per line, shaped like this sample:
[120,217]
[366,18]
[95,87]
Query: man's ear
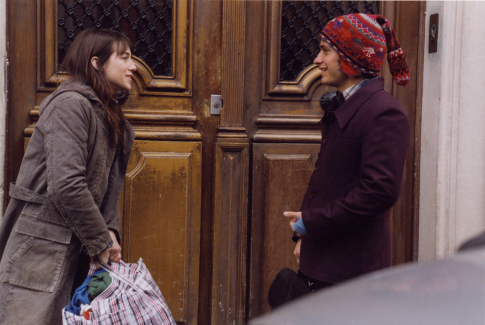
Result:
[94,62]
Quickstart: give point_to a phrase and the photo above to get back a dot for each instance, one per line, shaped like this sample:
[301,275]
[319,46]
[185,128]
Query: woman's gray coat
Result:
[64,200]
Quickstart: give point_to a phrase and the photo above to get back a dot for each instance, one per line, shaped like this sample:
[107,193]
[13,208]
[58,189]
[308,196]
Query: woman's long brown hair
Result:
[100,43]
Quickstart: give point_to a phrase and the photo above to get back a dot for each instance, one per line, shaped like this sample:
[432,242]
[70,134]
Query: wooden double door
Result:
[204,194]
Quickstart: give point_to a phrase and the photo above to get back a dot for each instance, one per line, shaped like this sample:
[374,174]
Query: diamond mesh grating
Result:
[147,23]
[301,24]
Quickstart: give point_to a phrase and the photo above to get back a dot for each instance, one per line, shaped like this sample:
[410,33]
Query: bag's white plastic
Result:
[133,297]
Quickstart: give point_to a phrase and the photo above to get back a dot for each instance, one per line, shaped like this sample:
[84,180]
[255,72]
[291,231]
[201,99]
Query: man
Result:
[343,228]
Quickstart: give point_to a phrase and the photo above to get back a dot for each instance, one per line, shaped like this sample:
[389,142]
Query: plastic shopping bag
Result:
[133,297]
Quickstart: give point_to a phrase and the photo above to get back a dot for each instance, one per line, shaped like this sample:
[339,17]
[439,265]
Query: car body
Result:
[444,291]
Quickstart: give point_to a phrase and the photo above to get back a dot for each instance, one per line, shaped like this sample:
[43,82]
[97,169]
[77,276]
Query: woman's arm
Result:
[66,143]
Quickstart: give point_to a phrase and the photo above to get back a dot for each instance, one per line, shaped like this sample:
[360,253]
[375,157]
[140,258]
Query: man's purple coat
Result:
[356,181]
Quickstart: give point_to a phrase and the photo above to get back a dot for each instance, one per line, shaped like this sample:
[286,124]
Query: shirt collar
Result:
[353,89]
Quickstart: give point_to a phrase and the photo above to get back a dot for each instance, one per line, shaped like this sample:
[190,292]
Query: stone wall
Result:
[452,184]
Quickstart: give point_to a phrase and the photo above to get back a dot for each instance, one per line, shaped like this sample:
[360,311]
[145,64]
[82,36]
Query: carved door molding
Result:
[274,87]
[178,83]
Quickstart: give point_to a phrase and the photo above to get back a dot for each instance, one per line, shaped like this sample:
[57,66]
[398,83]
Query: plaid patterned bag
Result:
[132,298]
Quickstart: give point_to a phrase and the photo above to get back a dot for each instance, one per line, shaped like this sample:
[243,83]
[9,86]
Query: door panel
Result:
[280,175]
[231,177]
[161,218]
[230,233]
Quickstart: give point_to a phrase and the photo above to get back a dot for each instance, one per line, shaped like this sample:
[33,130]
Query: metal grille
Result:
[301,24]
[147,23]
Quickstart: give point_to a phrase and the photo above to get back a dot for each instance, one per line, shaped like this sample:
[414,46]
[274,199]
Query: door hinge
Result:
[216,104]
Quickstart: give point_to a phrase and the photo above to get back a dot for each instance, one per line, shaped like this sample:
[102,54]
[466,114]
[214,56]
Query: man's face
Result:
[327,61]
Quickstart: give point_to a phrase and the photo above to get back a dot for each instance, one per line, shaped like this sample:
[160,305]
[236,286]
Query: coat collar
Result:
[348,109]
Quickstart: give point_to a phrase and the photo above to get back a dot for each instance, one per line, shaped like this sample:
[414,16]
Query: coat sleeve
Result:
[66,142]
[114,223]
[384,147]
[110,206]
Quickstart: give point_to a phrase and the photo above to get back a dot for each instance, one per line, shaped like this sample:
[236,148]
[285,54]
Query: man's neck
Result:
[349,83]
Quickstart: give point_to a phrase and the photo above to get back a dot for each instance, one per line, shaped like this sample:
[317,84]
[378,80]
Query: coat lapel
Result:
[348,109]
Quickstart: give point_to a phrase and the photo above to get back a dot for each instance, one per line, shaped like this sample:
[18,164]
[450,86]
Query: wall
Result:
[3,94]
[452,184]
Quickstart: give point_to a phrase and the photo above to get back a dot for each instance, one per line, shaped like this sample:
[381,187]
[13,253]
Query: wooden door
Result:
[166,202]
[204,194]
[282,98]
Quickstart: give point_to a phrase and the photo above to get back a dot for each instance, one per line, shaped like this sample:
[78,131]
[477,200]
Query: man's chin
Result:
[326,83]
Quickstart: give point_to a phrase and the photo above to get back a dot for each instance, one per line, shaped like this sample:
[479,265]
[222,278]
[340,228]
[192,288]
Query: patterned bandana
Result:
[361,41]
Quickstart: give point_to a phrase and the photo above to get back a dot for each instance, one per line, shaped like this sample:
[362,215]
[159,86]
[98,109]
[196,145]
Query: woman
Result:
[64,205]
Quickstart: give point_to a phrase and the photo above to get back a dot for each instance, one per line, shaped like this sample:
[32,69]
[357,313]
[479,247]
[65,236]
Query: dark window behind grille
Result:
[301,24]
[148,24]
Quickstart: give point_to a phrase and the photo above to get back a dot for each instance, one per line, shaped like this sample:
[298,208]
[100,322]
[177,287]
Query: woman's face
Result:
[119,70]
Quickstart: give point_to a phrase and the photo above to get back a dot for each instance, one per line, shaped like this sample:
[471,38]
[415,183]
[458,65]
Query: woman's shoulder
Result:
[70,95]
[69,106]
[71,92]
[73,97]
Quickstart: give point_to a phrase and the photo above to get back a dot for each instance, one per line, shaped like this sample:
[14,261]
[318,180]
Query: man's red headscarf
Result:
[362,41]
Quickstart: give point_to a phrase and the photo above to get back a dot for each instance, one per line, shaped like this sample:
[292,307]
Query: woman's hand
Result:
[103,257]
[115,250]
[111,254]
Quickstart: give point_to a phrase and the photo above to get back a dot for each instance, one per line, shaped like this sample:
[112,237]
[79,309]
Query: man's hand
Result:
[296,252]
[293,216]
[115,250]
